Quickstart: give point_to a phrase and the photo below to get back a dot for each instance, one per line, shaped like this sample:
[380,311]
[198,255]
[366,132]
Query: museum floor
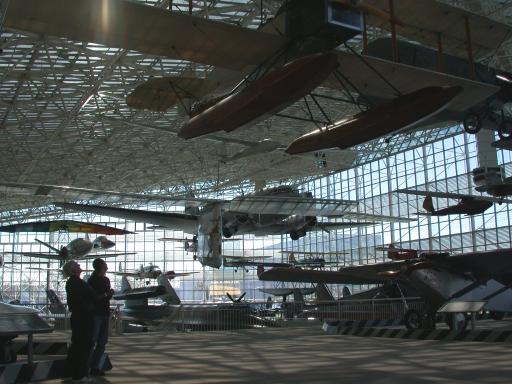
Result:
[300,355]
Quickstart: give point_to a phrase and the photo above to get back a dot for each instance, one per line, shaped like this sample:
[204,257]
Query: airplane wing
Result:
[451,195]
[66,193]
[496,264]
[127,274]
[147,29]
[245,258]
[425,20]
[281,205]
[377,218]
[363,274]
[172,274]
[40,255]
[405,78]
[179,221]
[314,253]
[53,256]
[63,225]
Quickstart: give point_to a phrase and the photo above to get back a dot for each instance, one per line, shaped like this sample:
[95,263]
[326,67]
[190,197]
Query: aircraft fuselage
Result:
[471,207]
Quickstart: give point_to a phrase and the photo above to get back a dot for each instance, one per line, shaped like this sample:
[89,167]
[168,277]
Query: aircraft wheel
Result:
[505,130]
[412,319]
[497,315]
[472,123]
[460,318]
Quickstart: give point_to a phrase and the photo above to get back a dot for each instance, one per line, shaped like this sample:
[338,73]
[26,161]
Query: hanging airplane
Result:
[151,272]
[490,180]
[394,253]
[311,260]
[437,277]
[283,53]
[467,205]
[488,113]
[190,245]
[272,211]
[245,262]
[64,225]
[77,249]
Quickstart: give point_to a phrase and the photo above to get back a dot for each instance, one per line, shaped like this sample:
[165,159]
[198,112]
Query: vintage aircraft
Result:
[272,211]
[311,260]
[64,225]
[151,272]
[206,316]
[270,59]
[245,262]
[437,277]
[76,249]
[467,205]
[394,253]
[490,180]
[489,113]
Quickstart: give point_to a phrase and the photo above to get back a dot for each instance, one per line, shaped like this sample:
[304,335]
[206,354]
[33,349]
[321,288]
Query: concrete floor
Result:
[300,355]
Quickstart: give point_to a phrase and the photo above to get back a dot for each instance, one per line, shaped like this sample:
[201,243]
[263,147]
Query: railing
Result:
[221,317]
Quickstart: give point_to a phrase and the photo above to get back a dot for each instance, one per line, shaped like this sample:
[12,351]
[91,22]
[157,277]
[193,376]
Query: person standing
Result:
[101,285]
[80,298]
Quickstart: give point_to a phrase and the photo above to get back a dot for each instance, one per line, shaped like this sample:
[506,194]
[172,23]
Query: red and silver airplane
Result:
[467,205]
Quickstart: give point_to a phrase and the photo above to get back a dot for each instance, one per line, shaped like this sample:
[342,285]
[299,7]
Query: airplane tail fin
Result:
[125,284]
[298,297]
[428,205]
[323,293]
[56,306]
[170,297]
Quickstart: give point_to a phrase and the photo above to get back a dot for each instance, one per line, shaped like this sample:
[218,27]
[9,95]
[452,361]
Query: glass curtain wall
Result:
[444,165]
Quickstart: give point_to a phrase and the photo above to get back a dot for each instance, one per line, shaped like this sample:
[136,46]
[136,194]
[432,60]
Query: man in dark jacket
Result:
[101,285]
[81,298]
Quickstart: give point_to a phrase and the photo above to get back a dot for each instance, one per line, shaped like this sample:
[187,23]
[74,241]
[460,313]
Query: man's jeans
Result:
[100,338]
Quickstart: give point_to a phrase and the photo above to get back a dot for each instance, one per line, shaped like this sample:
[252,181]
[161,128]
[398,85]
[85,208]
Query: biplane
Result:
[259,72]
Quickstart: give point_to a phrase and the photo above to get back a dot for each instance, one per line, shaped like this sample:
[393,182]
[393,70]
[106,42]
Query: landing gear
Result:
[472,123]
[412,319]
[456,321]
[416,320]
[505,129]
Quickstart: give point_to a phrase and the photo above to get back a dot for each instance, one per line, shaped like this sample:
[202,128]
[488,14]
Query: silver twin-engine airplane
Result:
[273,211]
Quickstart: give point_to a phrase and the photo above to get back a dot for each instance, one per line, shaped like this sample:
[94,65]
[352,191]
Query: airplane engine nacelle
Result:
[230,224]
[299,225]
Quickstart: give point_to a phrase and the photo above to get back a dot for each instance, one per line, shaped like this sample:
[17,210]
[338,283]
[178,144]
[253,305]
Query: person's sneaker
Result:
[97,372]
